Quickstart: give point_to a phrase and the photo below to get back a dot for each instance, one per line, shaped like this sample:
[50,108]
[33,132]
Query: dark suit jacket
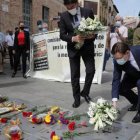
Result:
[135,50]
[67,31]
[27,40]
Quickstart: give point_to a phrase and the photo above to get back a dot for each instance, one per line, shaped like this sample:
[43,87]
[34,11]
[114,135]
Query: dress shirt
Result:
[9,39]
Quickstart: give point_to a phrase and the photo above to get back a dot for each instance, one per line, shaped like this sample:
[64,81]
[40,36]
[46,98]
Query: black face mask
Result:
[11,33]
[22,28]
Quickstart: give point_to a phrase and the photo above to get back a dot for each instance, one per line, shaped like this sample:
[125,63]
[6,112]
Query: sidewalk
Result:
[42,92]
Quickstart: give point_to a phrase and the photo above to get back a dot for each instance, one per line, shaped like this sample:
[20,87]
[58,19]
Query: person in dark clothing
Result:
[68,21]
[21,46]
[126,59]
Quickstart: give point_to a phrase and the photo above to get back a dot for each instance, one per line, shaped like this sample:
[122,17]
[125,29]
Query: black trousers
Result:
[126,89]
[11,55]
[75,75]
[21,51]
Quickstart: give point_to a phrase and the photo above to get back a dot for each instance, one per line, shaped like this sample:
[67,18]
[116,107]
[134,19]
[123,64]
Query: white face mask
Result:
[44,30]
[73,11]
[39,26]
[121,61]
[118,23]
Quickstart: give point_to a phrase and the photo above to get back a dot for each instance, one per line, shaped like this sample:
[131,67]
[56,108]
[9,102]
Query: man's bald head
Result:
[118,18]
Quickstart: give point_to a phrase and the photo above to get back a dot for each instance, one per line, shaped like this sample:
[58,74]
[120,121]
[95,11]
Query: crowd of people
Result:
[124,58]
[17,44]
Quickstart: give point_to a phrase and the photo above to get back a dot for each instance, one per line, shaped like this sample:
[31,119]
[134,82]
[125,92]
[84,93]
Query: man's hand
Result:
[117,31]
[78,38]
[114,103]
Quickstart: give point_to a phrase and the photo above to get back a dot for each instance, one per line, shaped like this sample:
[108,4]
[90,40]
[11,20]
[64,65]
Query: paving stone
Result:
[41,92]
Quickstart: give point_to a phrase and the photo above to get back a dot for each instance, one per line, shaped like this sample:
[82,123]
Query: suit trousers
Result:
[1,62]
[11,55]
[75,75]
[21,51]
[126,89]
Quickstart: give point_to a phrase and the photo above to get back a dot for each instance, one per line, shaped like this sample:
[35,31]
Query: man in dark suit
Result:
[69,20]
[127,59]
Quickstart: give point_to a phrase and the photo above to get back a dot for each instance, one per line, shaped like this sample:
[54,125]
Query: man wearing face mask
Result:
[22,47]
[118,33]
[69,20]
[126,59]
[9,39]
[42,26]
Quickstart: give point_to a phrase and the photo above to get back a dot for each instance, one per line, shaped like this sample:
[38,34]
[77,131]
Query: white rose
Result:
[91,120]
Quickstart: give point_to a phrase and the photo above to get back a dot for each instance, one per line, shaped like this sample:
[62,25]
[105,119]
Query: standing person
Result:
[22,46]
[68,21]
[1,59]
[45,27]
[9,40]
[118,32]
[136,36]
[2,39]
[19,65]
[126,59]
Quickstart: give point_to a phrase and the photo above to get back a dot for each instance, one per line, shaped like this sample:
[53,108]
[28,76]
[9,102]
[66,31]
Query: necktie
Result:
[76,18]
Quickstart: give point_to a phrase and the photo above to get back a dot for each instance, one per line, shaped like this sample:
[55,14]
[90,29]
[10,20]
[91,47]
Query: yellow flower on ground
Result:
[56,137]
[48,119]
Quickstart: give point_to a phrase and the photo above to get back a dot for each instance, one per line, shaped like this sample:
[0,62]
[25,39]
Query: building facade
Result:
[30,11]
[104,10]
[131,22]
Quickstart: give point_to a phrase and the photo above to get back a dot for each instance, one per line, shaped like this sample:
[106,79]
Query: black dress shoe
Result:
[24,76]
[136,119]
[75,105]
[87,99]
[13,75]
[132,108]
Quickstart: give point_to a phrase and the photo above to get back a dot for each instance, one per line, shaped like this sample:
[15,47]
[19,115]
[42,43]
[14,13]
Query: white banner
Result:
[57,58]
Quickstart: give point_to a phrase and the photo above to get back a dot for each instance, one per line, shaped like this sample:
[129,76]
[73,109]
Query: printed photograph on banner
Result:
[40,55]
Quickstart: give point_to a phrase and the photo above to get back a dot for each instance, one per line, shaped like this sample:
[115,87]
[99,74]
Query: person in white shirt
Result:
[117,33]
[9,39]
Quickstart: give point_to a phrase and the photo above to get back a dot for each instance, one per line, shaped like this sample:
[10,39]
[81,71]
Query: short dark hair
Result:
[16,28]
[70,1]
[120,47]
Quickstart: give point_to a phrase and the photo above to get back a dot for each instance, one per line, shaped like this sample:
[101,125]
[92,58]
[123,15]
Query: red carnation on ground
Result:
[3,120]
[52,134]
[71,126]
[26,114]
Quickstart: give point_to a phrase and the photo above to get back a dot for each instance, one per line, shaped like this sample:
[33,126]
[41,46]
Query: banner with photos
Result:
[40,55]
[50,57]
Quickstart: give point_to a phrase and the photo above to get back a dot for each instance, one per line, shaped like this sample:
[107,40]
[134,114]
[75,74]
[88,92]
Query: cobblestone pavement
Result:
[42,92]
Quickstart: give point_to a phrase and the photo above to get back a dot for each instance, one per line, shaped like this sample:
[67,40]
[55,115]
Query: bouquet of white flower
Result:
[102,114]
[87,28]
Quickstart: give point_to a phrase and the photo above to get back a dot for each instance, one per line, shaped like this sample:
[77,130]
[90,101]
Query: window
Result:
[27,12]
[91,5]
[45,14]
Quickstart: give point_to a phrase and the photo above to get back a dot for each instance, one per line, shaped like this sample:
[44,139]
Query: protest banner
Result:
[55,63]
